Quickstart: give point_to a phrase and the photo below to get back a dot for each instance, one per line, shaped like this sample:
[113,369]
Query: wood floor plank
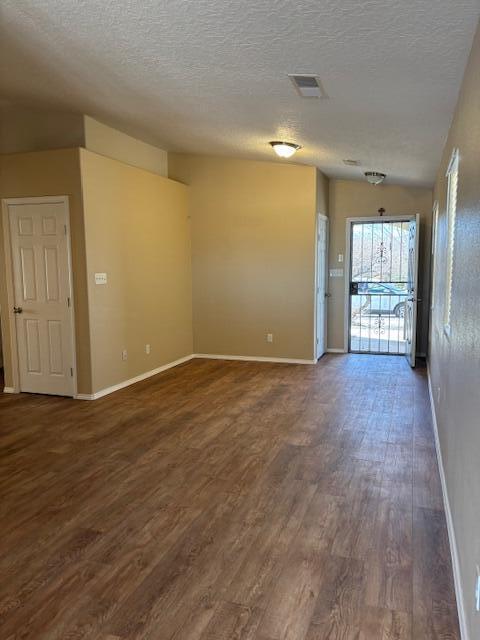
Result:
[389,565]
[294,594]
[434,608]
[227,500]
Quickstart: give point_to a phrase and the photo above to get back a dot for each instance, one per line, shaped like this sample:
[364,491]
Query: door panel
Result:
[33,351]
[25,226]
[52,276]
[49,225]
[28,273]
[41,278]
[55,351]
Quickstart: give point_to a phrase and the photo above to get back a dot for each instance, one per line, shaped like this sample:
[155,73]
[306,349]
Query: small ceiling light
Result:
[285,149]
[375,177]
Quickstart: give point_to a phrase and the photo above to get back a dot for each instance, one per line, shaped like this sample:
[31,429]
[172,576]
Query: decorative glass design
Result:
[379,269]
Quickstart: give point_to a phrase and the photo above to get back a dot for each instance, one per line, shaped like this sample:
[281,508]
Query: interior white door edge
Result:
[321,257]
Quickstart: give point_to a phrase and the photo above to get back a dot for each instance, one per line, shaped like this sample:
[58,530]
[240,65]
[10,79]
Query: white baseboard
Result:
[451,531]
[153,372]
[127,383]
[211,356]
[8,390]
[335,350]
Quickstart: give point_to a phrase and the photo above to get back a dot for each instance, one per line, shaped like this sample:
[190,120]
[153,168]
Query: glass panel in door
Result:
[378,286]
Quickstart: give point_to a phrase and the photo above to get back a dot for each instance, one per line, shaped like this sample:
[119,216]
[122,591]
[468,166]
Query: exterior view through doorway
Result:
[382,264]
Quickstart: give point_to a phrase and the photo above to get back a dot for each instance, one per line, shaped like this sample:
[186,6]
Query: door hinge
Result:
[65,228]
[68,301]
[71,372]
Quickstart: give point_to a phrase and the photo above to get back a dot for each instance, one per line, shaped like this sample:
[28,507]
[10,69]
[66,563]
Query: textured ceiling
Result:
[210,75]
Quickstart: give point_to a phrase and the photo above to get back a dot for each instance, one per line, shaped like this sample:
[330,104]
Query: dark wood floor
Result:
[227,501]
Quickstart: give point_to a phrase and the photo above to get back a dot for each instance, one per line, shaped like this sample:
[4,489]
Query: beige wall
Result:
[112,143]
[23,129]
[137,231]
[348,199]
[48,173]
[455,361]
[253,236]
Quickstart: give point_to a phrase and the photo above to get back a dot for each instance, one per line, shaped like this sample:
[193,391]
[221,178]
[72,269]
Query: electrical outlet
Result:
[124,354]
[269,337]
[477,591]
[147,349]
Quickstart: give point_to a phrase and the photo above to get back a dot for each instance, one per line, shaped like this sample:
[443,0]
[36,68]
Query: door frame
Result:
[327,231]
[347,263]
[14,364]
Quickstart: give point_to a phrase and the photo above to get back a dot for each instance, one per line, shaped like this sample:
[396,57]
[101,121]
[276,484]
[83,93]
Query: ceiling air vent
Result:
[308,85]
[352,163]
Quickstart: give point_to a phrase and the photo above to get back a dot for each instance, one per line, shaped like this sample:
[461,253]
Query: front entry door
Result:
[412,300]
[42,294]
[382,286]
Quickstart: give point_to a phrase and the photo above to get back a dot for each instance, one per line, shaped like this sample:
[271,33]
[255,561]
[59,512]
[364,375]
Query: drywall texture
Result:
[137,232]
[118,145]
[349,199]
[49,173]
[253,235]
[23,130]
[455,361]
[210,76]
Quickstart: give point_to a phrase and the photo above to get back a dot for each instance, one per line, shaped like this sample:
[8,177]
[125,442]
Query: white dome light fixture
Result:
[375,177]
[284,149]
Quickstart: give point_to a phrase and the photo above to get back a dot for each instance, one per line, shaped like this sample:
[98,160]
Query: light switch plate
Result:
[100,278]
[336,273]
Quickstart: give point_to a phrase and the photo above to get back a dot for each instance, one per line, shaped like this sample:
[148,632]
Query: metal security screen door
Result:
[380,281]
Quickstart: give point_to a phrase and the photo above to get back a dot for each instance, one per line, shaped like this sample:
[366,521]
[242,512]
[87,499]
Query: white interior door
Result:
[320,315]
[412,299]
[42,295]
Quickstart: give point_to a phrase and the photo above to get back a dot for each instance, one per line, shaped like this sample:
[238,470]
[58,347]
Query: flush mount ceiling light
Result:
[375,177]
[285,149]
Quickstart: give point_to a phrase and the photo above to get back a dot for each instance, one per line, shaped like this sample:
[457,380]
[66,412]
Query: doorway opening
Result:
[382,280]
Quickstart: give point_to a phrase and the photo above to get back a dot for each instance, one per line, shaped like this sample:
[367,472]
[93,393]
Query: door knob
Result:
[17,310]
